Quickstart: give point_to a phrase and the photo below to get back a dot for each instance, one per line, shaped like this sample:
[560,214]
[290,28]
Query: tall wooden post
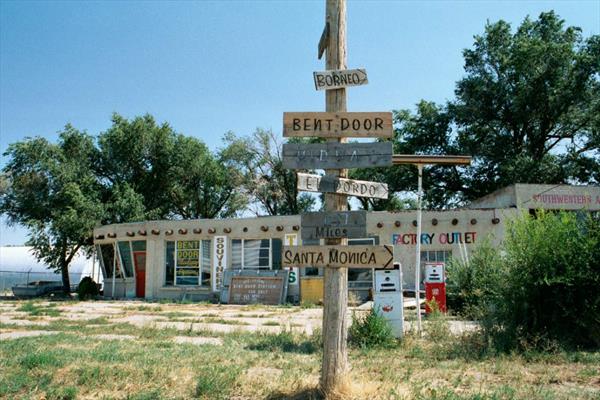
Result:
[335,328]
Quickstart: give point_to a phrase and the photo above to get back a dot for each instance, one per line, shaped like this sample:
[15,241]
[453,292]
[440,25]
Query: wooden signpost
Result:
[336,155]
[333,224]
[338,256]
[351,187]
[337,79]
[338,124]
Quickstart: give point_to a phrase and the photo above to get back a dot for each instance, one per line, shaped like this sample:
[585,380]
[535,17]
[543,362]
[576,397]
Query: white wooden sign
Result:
[219,261]
[351,187]
[341,78]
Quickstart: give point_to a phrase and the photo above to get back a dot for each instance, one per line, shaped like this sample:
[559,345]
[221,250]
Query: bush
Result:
[87,289]
[540,287]
[369,331]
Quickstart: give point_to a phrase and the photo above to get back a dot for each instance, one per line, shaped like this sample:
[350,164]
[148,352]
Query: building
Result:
[192,258]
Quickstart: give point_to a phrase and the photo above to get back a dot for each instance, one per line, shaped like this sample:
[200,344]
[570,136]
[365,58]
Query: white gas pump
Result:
[388,297]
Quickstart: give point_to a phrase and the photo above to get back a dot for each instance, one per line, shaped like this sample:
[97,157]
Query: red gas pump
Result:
[435,286]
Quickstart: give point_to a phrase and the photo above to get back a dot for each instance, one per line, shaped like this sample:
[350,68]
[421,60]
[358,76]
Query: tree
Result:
[54,192]
[151,172]
[527,110]
[265,180]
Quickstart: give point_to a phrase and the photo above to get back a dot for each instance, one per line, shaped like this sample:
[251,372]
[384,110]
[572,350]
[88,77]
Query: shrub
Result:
[540,287]
[87,289]
[371,330]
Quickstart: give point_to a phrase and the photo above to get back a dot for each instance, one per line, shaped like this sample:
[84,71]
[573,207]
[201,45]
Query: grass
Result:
[74,364]
[35,309]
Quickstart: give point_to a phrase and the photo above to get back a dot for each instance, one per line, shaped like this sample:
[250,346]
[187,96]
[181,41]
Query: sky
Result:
[208,67]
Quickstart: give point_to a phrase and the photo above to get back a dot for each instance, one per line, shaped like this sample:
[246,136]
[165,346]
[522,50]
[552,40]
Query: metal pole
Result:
[418,250]
[114,269]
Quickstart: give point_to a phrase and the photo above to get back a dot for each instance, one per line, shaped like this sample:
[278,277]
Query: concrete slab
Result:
[198,340]
[8,335]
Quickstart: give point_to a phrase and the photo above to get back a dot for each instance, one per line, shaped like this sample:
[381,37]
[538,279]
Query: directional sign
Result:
[341,78]
[333,224]
[337,124]
[331,184]
[338,256]
[337,155]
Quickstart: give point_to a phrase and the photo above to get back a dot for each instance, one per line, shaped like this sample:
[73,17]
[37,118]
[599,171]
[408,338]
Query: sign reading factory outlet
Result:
[219,261]
[333,225]
[331,184]
[340,78]
[339,256]
[337,124]
[336,155]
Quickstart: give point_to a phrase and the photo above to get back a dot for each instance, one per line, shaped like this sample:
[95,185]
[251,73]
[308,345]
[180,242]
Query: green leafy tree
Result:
[265,180]
[527,110]
[151,172]
[53,192]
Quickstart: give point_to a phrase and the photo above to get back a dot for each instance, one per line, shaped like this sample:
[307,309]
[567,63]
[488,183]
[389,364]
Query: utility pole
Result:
[335,302]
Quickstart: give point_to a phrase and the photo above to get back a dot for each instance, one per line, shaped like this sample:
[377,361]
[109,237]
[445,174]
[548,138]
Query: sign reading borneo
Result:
[431,238]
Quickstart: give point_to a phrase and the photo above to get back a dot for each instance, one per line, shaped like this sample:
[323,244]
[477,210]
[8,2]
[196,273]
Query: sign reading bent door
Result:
[333,224]
[219,261]
[338,124]
[337,155]
[338,256]
[331,184]
[340,78]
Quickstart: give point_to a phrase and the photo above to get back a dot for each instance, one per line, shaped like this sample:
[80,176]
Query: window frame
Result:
[242,256]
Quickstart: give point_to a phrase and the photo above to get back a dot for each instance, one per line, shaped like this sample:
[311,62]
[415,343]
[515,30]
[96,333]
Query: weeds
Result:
[370,331]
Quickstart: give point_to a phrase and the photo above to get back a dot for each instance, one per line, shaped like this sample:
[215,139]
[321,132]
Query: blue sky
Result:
[210,67]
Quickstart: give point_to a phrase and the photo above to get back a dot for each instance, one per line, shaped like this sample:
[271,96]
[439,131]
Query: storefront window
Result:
[436,256]
[106,254]
[187,263]
[206,267]
[169,263]
[255,254]
[125,253]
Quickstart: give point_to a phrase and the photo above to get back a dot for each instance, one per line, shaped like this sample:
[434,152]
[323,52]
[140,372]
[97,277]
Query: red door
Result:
[139,259]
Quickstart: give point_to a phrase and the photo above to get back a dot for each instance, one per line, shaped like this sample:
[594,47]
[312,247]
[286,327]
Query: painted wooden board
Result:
[338,256]
[333,225]
[331,184]
[340,78]
[338,124]
[337,155]
[255,290]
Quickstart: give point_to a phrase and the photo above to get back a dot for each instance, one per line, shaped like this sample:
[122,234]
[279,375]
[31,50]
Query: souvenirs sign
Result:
[337,155]
[336,79]
[333,225]
[338,256]
[338,124]
[331,184]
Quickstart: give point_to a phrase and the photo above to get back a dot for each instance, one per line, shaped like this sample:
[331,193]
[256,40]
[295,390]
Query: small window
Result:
[187,262]
[107,258]
[206,266]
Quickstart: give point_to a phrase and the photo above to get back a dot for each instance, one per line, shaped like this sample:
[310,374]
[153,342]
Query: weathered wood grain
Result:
[336,79]
[337,155]
[333,225]
[352,187]
[338,256]
[338,124]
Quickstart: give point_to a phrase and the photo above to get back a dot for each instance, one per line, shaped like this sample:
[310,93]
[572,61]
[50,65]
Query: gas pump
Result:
[435,286]
[388,297]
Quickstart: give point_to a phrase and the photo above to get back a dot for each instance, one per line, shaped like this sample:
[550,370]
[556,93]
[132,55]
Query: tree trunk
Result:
[64,272]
